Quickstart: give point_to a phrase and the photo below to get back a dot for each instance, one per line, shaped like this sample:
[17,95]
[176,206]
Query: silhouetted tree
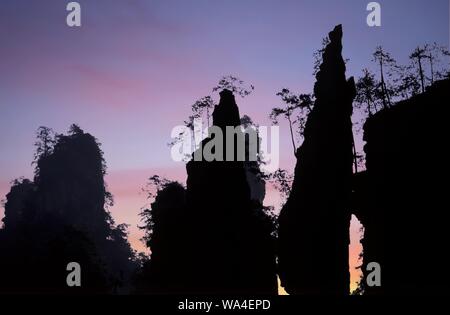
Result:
[301,104]
[318,54]
[282,181]
[203,106]
[368,101]
[386,65]
[366,93]
[417,56]
[235,85]
[435,54]
[407,83]
[45,141]
[247,121]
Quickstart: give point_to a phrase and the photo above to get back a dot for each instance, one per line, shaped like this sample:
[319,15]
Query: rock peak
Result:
[226,113]
[226,93]
[337,31]
[325,156]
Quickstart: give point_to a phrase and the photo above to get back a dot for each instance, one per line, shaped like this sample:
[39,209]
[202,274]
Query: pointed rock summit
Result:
[314,223]
[226,113]
[229,241]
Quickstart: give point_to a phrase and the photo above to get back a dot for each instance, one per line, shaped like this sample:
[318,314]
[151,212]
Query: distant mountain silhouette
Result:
[314,223]
[402,200]
[61,218]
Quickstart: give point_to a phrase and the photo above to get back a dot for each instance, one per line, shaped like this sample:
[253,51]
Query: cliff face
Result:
[230,246]
[314,223]
[402,199]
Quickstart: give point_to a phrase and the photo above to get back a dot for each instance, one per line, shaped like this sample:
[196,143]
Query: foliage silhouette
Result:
[203,106]
[387,65]
[302,104]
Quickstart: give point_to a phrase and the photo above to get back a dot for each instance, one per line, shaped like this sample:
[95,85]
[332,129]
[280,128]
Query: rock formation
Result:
[61,217]
[229,240]
[164,272]
[401,198]
[314,223]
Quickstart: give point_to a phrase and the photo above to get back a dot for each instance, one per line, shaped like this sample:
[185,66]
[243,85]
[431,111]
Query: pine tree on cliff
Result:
[314,223]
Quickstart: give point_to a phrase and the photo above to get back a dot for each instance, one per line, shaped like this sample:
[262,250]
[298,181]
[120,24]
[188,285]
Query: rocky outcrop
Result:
[164,272]
[230,244]
[61,217]
[71,185]
[20,206]
[402,197]
[314,223]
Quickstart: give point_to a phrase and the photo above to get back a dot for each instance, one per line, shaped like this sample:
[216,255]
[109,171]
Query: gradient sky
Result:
[131,72]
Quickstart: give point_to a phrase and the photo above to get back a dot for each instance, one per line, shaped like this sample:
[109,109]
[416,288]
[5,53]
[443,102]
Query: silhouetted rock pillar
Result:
[61,218]
[314,223]
[230,252]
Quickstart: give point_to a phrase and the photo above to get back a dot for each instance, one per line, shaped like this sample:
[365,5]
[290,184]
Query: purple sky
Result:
[131,72]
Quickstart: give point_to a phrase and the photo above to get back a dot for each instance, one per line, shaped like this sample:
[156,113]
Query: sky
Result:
[129,74]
